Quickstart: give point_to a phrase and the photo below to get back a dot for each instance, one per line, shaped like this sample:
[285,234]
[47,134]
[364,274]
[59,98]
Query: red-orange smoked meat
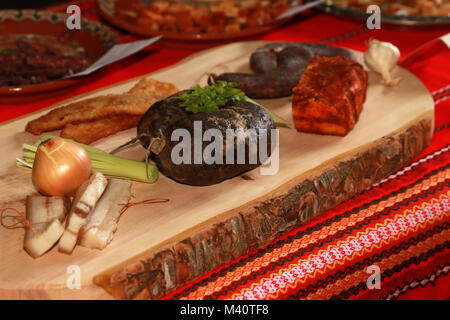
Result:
[329,97]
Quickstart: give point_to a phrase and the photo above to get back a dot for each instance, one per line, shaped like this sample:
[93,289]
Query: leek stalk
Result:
[108,164]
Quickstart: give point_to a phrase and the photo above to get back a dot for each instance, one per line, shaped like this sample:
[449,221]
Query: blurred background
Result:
[22,4]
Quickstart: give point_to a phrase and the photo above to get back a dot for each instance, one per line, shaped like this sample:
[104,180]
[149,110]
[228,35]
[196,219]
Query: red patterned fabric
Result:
[401,225]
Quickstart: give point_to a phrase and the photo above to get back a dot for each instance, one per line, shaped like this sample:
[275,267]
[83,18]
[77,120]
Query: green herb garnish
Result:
[211,98]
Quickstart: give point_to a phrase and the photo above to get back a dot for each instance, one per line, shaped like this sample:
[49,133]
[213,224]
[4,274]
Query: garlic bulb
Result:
[382,57]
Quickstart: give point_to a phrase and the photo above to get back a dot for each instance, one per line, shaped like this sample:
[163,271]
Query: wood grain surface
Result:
[159,247]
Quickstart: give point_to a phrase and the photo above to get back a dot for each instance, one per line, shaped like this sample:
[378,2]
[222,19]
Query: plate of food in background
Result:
[196,23]
[395,12]
[38,52]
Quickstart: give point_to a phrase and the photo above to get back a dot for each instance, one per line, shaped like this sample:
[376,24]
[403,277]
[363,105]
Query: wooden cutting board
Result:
[160,247]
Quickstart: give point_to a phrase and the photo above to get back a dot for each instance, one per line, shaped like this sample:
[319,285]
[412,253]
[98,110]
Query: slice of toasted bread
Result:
[90,131]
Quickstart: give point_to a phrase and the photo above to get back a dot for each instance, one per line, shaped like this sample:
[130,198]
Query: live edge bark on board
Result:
[257,225]
[158,248]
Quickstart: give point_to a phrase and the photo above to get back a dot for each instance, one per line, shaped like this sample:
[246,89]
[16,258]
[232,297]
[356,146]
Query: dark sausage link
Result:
[294,57]
[278,67]
[262,86]
[263,62]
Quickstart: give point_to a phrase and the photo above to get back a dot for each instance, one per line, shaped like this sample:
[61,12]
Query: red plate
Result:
[94,37]
[179,39]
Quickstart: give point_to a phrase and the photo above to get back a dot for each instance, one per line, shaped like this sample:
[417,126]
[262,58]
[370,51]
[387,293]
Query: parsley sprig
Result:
[211,98]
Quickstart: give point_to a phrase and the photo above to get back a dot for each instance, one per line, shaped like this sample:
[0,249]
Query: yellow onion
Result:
[60,167]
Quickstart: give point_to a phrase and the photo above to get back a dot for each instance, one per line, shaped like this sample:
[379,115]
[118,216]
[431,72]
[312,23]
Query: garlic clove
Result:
[382,57]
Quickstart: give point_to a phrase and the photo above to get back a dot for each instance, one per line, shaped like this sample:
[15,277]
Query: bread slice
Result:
[85,200]
[102,222]
[46,215]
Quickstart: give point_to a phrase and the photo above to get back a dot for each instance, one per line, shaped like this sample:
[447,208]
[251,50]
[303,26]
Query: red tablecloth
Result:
[400,225]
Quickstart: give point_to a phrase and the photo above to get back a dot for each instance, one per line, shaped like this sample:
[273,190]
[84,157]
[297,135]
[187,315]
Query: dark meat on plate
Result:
[277,68]
[31,59]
